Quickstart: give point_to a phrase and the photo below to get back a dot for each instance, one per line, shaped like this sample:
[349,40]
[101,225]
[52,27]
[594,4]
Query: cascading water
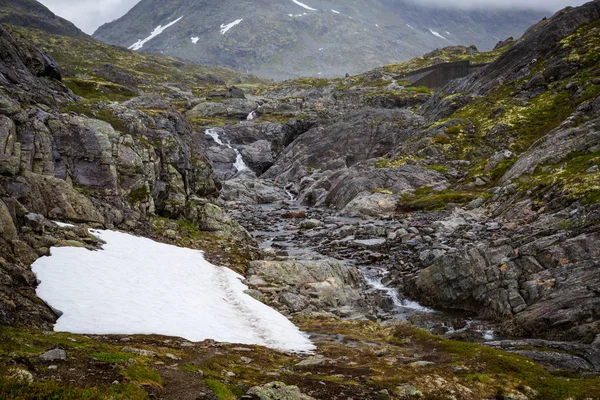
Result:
[374,277]
[239,164]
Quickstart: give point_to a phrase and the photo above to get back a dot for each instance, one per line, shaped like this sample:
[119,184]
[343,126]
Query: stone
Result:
[293,301]
[311,362]
[139,352]
[35,222]
[421,364]
[310,224]
[277,391]
[54,355]
[19,375]
[408,391]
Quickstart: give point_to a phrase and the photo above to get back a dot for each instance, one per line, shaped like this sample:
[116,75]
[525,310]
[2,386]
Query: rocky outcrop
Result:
[300,285]
[32,14]
[104,164]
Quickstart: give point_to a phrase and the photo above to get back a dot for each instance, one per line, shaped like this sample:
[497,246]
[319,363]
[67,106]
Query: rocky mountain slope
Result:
[32,14]
[481,198]
[514,143]
[283,39]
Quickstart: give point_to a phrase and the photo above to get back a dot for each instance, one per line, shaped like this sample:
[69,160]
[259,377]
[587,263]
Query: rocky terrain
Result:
[286,39]
[432,244]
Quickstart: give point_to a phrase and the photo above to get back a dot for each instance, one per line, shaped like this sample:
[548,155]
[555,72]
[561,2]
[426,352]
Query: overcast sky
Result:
[90,14]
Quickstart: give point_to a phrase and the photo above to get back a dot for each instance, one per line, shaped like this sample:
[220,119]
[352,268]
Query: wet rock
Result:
[310,224]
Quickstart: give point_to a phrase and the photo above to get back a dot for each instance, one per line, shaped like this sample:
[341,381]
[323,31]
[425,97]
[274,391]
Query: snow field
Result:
[138,286]
[157,31]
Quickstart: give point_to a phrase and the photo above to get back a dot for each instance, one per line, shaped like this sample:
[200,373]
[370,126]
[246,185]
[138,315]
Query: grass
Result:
[425,199]
[115,357]
[220,390]
[142,375]
[96,110]
[51,390]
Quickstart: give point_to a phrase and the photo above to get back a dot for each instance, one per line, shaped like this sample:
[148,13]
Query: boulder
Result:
[277,391]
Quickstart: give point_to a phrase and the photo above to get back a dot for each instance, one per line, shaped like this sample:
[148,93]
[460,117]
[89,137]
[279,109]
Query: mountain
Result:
[333,199]
[283,39]
[32,14]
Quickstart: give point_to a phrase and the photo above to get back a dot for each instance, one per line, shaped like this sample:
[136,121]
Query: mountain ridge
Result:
[314,38]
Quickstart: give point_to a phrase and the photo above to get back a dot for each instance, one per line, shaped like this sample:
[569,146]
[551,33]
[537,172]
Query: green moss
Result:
[138,195]
[420,201]
[142,375]
[222,391]
[420,89]
[114,357]
[382,191]
[51,390]
[96,110]
[96,89]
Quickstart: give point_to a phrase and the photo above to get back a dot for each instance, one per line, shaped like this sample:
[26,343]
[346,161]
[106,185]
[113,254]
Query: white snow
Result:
[377,25]
[195,39]
[448,33]
[157,31]
[63,224]
[226,27]
[410,26]
[304,5]
[138,286]
[434,33]
[334,11]
[321,49]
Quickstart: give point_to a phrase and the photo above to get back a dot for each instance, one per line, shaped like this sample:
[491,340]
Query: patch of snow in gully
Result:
[139,286]
[434,33]
[334,11]
[157,31]
[226,27]
[304,5]
[195,39]
[63,224]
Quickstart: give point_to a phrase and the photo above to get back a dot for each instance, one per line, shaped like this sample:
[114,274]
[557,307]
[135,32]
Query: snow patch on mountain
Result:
[157,31]
[195,39]
[434,33]
[135,285]
[304,5]
[226,27]
[334,11]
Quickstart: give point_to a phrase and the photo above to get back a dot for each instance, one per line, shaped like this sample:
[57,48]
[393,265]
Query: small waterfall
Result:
[239,164]
[290,195]
[252,116]
[374,278]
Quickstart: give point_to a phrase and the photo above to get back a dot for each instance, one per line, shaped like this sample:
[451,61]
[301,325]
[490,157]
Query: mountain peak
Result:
[293,38]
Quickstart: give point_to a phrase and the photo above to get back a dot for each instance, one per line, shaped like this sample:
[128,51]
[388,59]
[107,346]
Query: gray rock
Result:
[54,355]
[277,391]
[139,352]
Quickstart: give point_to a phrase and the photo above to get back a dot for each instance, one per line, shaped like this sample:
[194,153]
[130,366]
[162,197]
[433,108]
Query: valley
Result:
[357,237]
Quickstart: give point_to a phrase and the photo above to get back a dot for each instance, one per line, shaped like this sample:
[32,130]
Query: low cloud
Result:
[88,15]
[544,5]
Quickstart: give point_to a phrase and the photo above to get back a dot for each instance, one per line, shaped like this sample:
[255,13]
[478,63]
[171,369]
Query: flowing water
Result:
[239,164]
